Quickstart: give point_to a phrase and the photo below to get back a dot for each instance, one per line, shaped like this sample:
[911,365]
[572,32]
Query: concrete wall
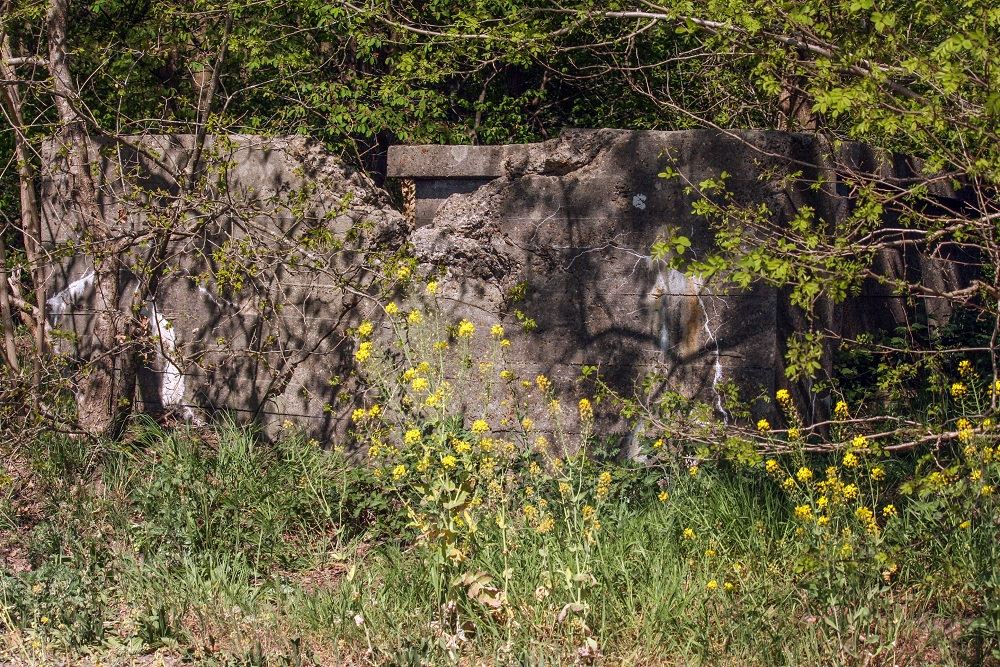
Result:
[575,218]
[569,222]
[263,275]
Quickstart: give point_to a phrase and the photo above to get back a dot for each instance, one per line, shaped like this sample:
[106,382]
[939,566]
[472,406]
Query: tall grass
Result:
[220,547]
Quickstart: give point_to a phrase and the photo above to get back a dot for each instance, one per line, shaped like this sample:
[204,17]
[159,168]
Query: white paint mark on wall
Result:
[717,366]
[218,301]
[60,302]
[675,283]
[171,379]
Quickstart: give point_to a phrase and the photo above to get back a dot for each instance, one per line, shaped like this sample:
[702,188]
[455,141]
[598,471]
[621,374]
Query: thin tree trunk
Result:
[207,82]
[6,319]
[31,219]
[106,390]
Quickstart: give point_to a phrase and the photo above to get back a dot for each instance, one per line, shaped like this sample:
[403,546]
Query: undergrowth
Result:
[449,535]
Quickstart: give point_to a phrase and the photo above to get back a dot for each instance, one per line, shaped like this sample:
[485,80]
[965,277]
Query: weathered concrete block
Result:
[272,260]
[575,218]
[266,268]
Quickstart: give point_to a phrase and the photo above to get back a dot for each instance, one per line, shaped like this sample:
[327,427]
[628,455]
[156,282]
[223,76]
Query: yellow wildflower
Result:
[441,345]
[728,586]
[399,472]
[664,496]
[564,489]
[965,525]
[658,443]
[693,471]
[889,510]
[589,513]
[965,431]
[604,484]
[363,352]
[543,383]
[480,426]
[804,474]
[878,473]
[496,331]
[448,461]
[850,491]
[412,436]
[958,390]
[461,446]
[859,442]
[527,423]
[358,415]
[712,585]
[415,317]
[822,502]
[374,411]
[466,329]
[986,490]
[688,534]
[545,525]
[850,460]
[788,484]
[391,308]
[505,343]
[965,368]
[794,433]
[709,553]
[803,512]
[554,406]
[586,410]
[403,272]
[763,426]
[432,287]
[506,375]
[772,466]
[365,329]
[420,384]
[783,396]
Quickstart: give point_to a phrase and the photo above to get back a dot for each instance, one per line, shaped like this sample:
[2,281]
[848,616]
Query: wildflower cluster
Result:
[454,474]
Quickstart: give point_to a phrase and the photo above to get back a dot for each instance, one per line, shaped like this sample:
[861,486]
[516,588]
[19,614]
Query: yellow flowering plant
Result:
[467,482]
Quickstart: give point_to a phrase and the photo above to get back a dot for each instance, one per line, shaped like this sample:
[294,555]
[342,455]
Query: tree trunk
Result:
[31,219]
[6,317]
[106,388]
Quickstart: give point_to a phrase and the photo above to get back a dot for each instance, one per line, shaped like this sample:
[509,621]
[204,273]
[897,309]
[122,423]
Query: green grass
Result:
[222,549]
